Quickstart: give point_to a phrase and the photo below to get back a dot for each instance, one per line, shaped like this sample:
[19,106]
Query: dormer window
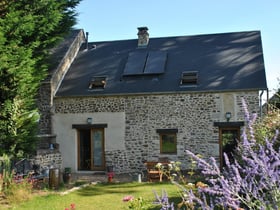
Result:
[97,83]
[189,78]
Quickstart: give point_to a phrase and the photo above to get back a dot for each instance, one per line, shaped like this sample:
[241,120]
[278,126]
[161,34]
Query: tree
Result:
[28,30]
[266,126]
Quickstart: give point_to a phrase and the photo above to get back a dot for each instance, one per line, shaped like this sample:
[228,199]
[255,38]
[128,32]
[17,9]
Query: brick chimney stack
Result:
[143,37]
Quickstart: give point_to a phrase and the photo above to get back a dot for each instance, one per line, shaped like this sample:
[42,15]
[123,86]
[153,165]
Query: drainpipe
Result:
[261,102]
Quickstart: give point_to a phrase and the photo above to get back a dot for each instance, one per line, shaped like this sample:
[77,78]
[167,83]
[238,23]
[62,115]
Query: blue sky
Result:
[119,19]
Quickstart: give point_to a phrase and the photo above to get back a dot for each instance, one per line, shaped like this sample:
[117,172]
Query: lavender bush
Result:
[250,181]
[163,201]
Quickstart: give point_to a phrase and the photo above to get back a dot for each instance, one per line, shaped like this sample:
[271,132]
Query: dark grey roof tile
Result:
[224,62]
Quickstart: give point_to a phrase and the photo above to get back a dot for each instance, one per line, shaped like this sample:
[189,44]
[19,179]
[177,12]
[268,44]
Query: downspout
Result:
[261,103]
[267,99]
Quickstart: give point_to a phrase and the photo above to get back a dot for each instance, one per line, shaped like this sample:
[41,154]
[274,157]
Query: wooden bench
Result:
[153,173]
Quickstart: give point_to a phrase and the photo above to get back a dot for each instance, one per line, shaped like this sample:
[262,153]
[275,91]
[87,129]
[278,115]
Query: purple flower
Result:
[251,181]
[163,201]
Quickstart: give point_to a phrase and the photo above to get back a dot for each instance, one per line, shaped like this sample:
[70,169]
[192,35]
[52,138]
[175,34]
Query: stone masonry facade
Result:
[193,114]
[49,86]
[46,157]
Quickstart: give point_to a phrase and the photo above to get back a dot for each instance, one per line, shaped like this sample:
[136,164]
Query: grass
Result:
[100,196]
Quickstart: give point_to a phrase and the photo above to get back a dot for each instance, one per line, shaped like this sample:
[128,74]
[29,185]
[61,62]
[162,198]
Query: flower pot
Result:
[67,175]
[110,179]
[66,178]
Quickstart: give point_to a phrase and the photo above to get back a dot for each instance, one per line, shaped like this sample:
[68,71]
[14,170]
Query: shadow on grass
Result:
[117,188]
[144,189]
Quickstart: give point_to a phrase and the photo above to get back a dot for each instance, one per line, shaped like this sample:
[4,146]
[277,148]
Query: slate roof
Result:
[223,62]
[57,53]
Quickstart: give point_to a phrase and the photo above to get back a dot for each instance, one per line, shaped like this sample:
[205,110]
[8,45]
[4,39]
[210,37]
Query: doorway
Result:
[229,137]
[91,156]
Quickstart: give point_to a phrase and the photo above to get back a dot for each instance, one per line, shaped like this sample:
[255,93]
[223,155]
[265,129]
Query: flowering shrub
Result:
[163,201]
[128,198]
[252,181]
[265,128]
[135,203]
[72,207]
[171,171]
[175,175]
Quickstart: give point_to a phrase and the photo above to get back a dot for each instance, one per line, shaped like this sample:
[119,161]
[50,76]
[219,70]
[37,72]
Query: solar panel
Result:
[135,63]
[155,62]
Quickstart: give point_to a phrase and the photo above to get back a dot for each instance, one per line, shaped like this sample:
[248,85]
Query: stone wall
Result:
[193,114]
[65,54]
[49,86]
[47,160]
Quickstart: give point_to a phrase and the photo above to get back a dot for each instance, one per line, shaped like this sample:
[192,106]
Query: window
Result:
[189,78]
[97,83]
[168,141]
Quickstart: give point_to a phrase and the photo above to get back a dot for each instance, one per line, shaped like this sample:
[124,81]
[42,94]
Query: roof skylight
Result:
[189,78]
[97,82]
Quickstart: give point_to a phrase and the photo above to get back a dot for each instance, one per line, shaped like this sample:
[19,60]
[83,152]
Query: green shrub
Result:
[19,191]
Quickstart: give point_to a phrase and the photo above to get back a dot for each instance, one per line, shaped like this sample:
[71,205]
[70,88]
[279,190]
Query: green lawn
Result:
[100,197]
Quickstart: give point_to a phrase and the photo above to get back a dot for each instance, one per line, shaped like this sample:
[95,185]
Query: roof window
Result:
[189,78]
[97,83]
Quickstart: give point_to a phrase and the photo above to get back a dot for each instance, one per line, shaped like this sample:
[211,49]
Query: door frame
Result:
[227,126]
[91,128]
[221,140]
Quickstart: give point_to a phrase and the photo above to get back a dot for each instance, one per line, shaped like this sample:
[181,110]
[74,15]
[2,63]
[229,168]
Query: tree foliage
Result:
[265,127]
[28,30]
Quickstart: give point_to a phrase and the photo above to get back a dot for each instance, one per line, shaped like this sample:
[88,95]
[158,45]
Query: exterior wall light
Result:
[228,116]
[89,120]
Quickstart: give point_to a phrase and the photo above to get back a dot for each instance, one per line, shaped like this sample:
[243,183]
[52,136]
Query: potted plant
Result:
[67,175]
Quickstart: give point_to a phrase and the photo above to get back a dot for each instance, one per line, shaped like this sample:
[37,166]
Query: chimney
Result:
[86,40]
[143,37]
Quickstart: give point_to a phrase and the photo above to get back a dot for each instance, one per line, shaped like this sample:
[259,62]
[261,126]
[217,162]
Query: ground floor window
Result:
[91,149]
[168,141]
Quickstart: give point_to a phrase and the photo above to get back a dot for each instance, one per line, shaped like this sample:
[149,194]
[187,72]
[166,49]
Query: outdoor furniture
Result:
[154,173]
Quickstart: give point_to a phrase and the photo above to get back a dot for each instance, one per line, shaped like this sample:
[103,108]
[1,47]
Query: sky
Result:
[107,20]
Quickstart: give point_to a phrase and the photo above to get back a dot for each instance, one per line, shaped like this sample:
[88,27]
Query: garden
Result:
[251,180]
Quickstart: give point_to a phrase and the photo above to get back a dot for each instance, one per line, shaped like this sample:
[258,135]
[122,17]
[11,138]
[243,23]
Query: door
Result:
[229,138]
[91,149]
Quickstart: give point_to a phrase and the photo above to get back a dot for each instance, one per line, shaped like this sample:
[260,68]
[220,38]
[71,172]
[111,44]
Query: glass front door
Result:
[91,149]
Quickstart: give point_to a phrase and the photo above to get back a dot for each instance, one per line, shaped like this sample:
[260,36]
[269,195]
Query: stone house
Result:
[121,103]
